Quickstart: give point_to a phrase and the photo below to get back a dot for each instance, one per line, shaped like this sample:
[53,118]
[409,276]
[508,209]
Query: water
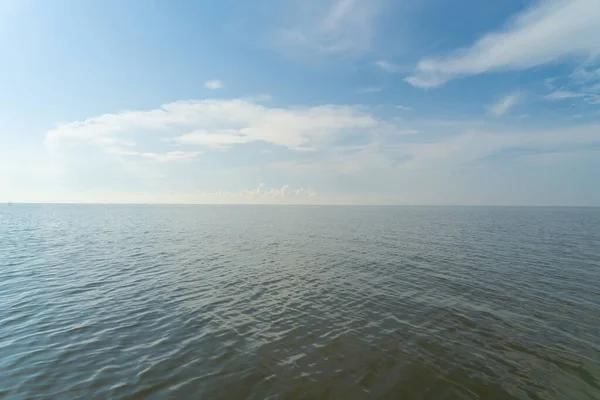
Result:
[232,302]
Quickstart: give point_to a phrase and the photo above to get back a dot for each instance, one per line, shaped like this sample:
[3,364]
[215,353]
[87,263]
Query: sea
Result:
[299,302]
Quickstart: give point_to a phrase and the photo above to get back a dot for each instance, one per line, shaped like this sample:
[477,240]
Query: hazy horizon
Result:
[433,205]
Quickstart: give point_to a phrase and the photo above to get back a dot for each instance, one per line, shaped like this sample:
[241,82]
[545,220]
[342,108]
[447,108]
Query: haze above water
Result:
[232,302]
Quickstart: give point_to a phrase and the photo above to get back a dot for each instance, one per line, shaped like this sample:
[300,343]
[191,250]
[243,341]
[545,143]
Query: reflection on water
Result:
[299,302]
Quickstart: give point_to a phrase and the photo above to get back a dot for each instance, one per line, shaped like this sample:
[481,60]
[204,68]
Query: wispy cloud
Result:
[547,32]
[469,147]
[583,75]
[505,104]
[582,84]
[329,27]
[563,94]
[213,84]
[387,66]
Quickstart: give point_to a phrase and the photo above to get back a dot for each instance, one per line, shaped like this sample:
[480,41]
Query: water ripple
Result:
[216,302]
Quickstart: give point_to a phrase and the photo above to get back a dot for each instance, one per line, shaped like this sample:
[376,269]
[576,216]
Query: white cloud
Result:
[328,26]
[221,124]
[387,66]
[263,191]
[220,139]
[545,33]
[213,85]
[403,107]
[505,104]
[161,157]
[563,94]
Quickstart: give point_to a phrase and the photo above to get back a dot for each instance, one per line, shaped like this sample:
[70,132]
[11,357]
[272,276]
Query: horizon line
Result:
[297,204]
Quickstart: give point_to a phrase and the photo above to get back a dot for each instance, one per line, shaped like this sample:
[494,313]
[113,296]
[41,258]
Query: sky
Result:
[429,102]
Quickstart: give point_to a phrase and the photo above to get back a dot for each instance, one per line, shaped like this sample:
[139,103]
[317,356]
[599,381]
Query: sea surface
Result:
[281,302]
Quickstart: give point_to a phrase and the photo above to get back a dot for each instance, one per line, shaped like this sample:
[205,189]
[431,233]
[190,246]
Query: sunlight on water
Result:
[299,302]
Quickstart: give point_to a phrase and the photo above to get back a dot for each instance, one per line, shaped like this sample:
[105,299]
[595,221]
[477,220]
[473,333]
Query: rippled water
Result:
[299,302]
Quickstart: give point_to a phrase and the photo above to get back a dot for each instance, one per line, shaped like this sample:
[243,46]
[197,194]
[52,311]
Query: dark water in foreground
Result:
[299,302]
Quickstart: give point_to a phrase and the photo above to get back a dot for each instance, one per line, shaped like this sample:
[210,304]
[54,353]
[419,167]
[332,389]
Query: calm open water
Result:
[261,302]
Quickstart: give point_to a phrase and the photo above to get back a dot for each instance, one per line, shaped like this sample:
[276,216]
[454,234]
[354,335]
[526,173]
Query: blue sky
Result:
[301,102]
